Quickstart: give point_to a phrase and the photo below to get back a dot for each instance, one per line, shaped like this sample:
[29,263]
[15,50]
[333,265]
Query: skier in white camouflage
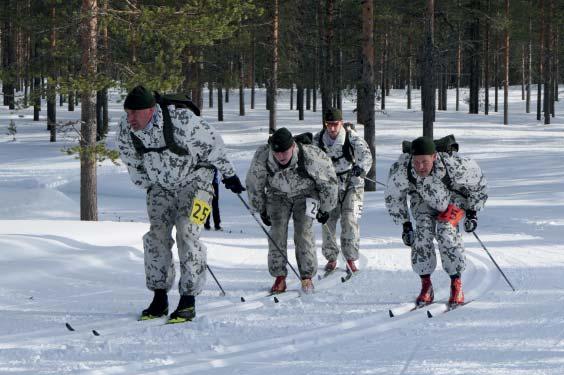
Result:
[443,187]
[285,178]
[352,159]
[170,152]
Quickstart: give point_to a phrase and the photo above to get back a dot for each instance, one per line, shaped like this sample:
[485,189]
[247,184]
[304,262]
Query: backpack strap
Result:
[140,147]
[347,150]
[302,170]
[164,101]
[446,179]
[168,132]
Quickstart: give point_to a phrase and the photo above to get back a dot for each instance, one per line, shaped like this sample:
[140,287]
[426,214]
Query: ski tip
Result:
[276,300]
[429,314]
[95,333]
[243,299]
[69,327]
[391,313]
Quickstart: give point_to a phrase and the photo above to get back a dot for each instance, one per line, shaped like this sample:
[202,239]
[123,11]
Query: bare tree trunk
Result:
[88,192]
[383,71]
[506,68]
[474,57]
[35,84]
[458,64]
[529,61]
[291,97]
[219,101]
[274,73]
[300,101]
[487,65]
[252,78]
[547,65]
[540,69]
[366,106]
[210,94]
[496,75]
[523,72]
[51,93]
[241,86]
[428,77]
[556,62]
[554,51]
[409,67]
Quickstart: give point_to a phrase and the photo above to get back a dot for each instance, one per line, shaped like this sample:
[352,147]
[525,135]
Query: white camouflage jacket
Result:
[468,187]
[167,169]
[362,156]
[265,177]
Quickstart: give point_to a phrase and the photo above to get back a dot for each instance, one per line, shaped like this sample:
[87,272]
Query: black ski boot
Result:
[157,308]
[185,312]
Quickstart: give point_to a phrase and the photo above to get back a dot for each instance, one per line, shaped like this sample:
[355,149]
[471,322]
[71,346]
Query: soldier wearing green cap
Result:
[443,187]
[288,179]
[351,159]
[171,153]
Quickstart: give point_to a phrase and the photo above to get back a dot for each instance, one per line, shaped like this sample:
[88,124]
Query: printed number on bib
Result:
[200,212]
[312,206]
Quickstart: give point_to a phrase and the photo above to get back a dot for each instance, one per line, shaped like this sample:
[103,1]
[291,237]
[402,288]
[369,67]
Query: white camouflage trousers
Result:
[280,209]
[168,208]
[348,210]
[427,228]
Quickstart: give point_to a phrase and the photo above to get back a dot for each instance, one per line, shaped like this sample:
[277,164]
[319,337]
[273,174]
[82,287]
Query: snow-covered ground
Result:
[55,269]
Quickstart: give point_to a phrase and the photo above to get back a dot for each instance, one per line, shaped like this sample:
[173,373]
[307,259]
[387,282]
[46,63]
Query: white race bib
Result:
[312,206]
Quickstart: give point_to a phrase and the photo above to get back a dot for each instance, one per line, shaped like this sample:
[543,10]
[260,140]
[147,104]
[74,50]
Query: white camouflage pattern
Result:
[429,196]
[172,183]
[166,169]
[351,194]
[283,196]
[362,155]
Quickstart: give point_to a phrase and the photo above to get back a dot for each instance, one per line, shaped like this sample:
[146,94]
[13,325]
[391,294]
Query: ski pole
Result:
[375,181]
[217,281]
[268,235]
[493,260]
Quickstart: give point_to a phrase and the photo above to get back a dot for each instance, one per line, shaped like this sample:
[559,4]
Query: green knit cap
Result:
[423,146]
[281,140]
[333,114]
[139,98]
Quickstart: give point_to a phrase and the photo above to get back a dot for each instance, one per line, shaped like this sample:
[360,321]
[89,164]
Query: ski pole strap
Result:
[215,278]
[493,260]
[269,236]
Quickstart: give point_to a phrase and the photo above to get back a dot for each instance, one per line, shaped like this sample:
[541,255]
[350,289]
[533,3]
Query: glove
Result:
[452,215]
[234,184]
[408,237]
[322,216]
[471,221]
[265,218]
[357,171]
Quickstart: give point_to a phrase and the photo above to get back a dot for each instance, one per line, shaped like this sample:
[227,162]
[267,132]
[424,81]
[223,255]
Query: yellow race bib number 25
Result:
[200,212]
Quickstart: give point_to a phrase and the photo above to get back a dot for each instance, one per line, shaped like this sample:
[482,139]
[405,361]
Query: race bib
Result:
[200,212]
[312,206]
